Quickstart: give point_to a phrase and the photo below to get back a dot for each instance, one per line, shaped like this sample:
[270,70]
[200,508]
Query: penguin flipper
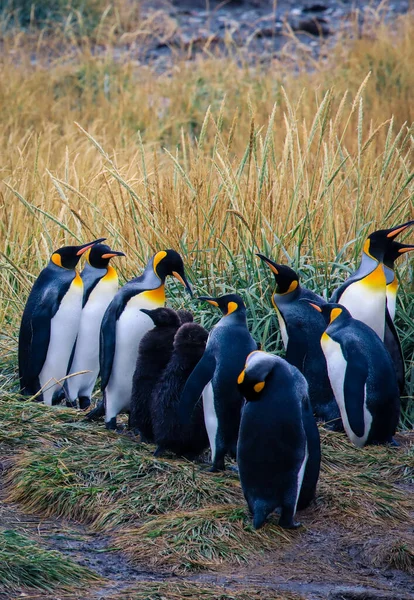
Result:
[200,376]
[354,392]
[34,340]
[393,345]
[107,344]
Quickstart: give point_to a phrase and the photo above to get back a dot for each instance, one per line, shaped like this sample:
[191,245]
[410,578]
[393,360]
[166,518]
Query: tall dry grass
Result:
[214,157]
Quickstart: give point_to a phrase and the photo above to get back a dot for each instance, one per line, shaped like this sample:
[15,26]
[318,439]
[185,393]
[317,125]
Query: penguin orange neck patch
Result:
[157,259]
[156,297]
[376,280]
[111,274]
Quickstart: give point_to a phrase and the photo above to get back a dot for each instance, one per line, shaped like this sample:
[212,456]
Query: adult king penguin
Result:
[362,376]
[273,450]
[301,328]
[215,377]
[50,324]
[364,292]
[100,284]
[391,339]
[123,326]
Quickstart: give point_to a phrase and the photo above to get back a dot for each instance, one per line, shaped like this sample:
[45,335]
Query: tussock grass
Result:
[175,514]
[23,563]
[201,539]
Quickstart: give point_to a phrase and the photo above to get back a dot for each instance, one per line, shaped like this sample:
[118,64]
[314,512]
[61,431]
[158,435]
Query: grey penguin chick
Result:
[170,433]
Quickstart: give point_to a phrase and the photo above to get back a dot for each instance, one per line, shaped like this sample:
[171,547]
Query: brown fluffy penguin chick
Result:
[155,350]
[169,433]
[185,316]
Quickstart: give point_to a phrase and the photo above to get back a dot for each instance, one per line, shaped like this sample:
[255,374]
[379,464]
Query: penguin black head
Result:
[286,279]
[330,311]
[69,256]
[190,336]
[185,316]
[163,317]
[227,304]
[100,254]
[379,242]
[252,380]
[394,251]
[169,262]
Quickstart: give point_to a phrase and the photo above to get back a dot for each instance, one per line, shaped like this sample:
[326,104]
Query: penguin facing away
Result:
[100,284]
[364,292]
[169,433]
[50,324]
[391,339]
[215,377]
[362,376]
[124,324]
[272,450]
[301,328]
[155,350]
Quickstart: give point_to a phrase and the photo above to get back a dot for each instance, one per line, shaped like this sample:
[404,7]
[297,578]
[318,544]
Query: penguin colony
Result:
[186,389]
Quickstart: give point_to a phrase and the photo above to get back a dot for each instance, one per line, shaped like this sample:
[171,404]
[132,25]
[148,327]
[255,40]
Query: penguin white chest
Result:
[130,328]
[63,331]
[210,417]
[365,299]
[86,357]
[283,330]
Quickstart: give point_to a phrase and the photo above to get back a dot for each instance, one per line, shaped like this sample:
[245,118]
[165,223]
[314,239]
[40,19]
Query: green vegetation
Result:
[23,563]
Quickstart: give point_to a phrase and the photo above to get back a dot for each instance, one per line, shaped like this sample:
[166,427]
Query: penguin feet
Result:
[289,523]
[97,412]
[84,402]
[159,452]
[70,403]
[111,424]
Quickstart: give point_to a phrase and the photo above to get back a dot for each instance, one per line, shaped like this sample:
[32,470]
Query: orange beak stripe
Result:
[396,231]
[82,250]
[318,308]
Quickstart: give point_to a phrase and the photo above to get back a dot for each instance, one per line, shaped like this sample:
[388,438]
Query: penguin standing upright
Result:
[100,284]
[364,292]
[215,376]
[391,339]
[169,433]
[155,350]
[362,376]
[124,324]
[301,328]
[273,450]
[50,324]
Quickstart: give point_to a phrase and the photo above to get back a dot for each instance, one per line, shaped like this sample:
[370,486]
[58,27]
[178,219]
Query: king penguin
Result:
[124,324]
[362,376]
[301,328]
[215,377]
[100,284]
[273,449]
[364,292]
[391,339]
[50,324]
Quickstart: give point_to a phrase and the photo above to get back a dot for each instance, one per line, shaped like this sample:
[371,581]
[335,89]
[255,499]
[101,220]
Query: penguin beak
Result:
[111,254]
[315,306]
[405,248]
[272,265]
[86,247]
[211,301]
[392,233]
[183,280]
[147,311]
